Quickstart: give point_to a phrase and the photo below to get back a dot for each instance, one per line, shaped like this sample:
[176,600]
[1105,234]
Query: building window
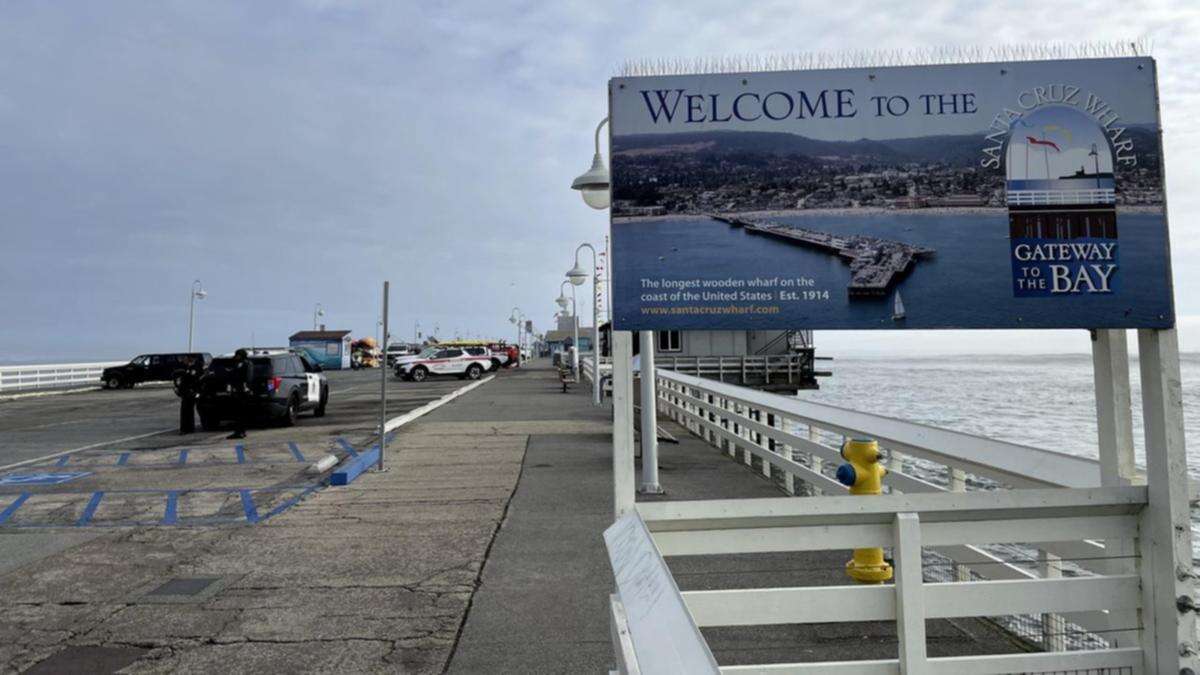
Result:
[669,341]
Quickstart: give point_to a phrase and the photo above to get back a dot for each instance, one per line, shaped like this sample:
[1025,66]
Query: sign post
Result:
[383,382]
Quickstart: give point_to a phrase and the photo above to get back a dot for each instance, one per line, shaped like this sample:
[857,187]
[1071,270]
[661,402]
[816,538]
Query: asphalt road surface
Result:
[147,417]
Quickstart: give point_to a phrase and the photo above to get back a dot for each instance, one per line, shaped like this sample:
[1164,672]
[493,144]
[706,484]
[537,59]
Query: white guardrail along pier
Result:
[28,378]
[1073,555]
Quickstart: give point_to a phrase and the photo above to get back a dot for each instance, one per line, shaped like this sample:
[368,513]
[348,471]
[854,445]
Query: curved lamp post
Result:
[198,293]
[562,302]
[577,275]
[318,312]
[517,317]
[593,184]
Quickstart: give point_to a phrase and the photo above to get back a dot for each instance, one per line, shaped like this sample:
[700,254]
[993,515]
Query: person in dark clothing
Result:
[187,381]
[239,378]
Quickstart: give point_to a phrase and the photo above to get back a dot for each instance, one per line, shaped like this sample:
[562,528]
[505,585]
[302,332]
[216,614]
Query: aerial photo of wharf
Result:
[875,264]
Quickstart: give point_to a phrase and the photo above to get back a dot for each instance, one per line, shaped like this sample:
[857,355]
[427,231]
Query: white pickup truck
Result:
[444,361]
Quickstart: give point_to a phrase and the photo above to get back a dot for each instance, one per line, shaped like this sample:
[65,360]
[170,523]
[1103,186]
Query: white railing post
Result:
[910,596]
[624,478]
[1114,424]
[766,462]
[1054,638]
[816,463]
[1167,536]
[649,417]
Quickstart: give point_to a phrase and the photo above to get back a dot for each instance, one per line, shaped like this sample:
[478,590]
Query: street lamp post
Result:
[593,184]
[517,317]
[318,311]
[198,293]
[562,302]
[576,275]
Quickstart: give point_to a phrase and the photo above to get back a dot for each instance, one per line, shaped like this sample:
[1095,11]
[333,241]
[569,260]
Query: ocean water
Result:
[967,283]
[1043,401]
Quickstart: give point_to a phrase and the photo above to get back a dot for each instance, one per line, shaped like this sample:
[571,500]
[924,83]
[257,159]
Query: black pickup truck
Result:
[153,368]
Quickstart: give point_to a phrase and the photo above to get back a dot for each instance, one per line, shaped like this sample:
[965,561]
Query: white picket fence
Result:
[51,376]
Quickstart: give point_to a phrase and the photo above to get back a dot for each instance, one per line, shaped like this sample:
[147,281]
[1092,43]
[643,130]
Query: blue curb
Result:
[345,474]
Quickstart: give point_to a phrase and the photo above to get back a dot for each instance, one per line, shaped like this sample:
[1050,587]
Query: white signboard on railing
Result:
[665,638]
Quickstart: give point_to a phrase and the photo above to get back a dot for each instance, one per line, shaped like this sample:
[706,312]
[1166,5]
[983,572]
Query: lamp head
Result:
[562,301]
[576,275]
[594,184]
[201,294]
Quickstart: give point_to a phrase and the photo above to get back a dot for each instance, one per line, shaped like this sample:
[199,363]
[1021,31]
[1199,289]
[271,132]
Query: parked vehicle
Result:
[151,368]
[281,386]
[446,361]
[397,350]
[400,361]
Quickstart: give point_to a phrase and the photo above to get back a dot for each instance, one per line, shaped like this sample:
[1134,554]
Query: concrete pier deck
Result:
[478,550]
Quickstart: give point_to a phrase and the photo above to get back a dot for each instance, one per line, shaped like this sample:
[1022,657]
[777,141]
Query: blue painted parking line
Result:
[183,456]
[123,459]
[296,452]
[248,507]
[171,517]
[43,478]
[171,513]
[12,508]
[347,447]
[90,509]
[240,452]
[62,461]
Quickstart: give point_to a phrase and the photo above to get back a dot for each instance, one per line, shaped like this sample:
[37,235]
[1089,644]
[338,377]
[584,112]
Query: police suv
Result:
[281,384]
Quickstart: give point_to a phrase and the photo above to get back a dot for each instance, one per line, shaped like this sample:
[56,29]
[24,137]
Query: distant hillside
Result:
[962,149]
[954,150]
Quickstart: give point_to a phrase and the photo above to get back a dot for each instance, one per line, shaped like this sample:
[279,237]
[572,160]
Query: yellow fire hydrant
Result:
[864,476]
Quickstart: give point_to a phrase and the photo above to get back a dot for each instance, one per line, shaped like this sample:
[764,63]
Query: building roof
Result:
[564,335]
[319,335]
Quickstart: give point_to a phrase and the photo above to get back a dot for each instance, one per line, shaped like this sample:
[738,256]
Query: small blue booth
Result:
[329,348]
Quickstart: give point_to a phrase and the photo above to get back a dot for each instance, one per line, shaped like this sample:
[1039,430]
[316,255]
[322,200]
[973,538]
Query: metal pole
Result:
[624,478]
[191,317]
[575,320]
[383,385]
[649,416]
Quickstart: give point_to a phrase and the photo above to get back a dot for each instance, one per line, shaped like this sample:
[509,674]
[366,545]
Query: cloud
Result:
[295,153]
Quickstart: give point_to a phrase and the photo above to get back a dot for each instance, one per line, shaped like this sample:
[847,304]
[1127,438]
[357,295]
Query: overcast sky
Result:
[294,153]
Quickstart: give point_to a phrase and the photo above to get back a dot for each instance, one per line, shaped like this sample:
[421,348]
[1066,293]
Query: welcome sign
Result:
[989,195]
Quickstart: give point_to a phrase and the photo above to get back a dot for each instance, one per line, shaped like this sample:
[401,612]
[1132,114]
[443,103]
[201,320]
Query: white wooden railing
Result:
[796,442]
[906,523]
[26,378]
